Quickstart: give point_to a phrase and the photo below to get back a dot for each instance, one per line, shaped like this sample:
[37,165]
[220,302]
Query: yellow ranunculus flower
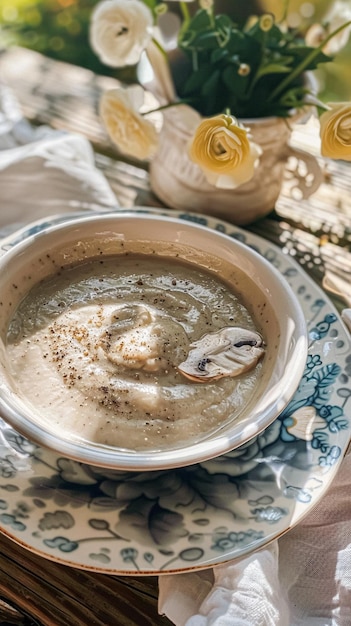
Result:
[335,131]
[224,151]
[131,133]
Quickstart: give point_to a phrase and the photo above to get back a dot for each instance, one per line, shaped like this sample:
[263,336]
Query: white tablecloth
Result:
[304,579]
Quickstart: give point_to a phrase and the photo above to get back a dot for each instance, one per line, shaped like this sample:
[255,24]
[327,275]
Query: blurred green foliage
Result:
[334,77]
[59,29]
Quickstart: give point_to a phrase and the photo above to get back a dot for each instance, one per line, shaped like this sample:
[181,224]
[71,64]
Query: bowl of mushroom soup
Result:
[139,341]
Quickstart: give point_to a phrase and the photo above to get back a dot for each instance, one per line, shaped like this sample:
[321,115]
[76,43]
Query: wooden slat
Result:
[9,615]
[58,595]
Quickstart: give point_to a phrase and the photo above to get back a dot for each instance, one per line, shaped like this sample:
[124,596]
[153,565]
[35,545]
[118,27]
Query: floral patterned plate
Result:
[170,521]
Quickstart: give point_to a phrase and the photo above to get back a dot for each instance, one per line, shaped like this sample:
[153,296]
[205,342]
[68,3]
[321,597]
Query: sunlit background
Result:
[59,29]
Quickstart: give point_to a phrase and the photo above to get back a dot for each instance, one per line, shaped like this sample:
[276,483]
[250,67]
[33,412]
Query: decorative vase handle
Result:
[304,173]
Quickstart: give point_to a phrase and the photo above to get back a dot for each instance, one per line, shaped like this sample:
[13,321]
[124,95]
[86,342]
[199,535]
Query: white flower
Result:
[130,131]
[120,30]
[339,15]
[315,35]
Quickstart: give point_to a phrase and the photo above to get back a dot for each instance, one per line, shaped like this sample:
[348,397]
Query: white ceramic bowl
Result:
[260,286]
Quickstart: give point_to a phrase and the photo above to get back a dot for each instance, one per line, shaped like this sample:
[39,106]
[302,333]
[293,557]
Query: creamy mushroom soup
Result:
[135,351]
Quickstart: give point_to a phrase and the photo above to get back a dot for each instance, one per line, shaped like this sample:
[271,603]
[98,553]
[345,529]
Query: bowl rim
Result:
[115,458]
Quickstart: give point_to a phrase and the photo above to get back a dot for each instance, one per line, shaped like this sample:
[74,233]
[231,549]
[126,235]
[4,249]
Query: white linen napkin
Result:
[302,579]
[44,171]
[241,593]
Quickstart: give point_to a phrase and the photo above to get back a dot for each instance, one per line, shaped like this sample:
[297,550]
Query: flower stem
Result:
[285,11]
[195,63]
[160,47]
[163,107]
[185,11]
[304,63]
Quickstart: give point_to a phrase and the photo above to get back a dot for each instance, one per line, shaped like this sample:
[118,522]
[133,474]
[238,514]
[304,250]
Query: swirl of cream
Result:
[139,338]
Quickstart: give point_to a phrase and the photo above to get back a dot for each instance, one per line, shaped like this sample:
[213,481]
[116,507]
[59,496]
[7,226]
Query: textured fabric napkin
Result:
[304,579]
[43,171]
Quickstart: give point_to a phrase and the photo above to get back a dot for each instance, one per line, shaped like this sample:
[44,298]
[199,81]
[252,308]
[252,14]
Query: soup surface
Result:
[97,350]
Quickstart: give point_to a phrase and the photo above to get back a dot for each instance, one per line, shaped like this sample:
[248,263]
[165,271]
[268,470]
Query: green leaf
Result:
[293,98]
[281,59]
[272,68]
[194,83]
[246,49]
[199,24]
[151,4]
[237,42]
[205,41]
[271,37]
[218,55]
[211,84]
[235,83]
[301,52]
[186,39]
[200,21]
[223,25]
[203,33]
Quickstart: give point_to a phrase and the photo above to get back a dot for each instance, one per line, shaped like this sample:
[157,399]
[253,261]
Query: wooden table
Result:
[317,232]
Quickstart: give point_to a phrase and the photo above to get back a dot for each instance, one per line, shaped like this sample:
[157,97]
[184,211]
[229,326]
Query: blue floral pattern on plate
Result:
[158,522]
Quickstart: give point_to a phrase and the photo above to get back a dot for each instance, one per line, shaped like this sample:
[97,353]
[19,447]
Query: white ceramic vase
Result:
[181,184]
